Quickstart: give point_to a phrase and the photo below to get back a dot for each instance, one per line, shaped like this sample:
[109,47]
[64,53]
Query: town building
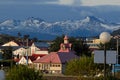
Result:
[55,62]
[93,43]
[20,51]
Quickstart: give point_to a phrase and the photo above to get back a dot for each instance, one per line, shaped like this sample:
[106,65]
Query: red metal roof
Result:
[57,57]
[50,58]
[16,60]
[62,56]
[38,55]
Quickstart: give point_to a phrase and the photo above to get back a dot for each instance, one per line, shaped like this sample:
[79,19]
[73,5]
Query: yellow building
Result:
[55,61]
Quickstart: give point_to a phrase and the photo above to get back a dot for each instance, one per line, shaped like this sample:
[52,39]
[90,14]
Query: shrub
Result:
[83,66]
[23,73]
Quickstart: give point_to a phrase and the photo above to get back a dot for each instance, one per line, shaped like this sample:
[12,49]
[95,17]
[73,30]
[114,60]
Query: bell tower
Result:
[66,39]
[66,46]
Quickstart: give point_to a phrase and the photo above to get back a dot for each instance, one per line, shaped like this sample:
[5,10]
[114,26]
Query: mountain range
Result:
[88,27]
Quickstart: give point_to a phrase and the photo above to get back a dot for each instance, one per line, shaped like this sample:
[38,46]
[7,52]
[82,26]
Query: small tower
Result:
[66,46]
[66,39]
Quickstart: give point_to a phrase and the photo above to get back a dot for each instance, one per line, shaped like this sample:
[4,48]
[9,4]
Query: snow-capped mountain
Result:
[35,27]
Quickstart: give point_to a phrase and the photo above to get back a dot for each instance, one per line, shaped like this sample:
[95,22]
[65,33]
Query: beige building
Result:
[36,50]
[55,61]
[93,43]
[19,52]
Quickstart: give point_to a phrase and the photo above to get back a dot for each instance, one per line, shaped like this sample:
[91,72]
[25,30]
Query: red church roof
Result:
[38,55]
[62,56]
[52,57]
[56,57]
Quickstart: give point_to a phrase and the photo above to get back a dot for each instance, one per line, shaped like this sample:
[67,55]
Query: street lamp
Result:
[104,38]
[117,37]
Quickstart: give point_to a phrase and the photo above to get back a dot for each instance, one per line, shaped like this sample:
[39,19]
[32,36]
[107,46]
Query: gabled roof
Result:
[41,44]
[65,56]
[50,58]
[22,43]
[57,57]
[62,56]
[10,43]
[38,55]
[17,48]
[32,58]
[16,60]
[17,43]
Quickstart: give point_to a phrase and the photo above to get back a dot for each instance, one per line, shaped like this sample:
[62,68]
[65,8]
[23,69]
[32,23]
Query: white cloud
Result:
[85,2]
[64,2]
[31,2]
[99,2]
[61,2]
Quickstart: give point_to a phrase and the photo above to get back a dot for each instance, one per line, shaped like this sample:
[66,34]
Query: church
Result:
[55,62]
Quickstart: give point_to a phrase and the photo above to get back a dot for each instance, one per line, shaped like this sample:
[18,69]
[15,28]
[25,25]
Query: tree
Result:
[7,52]
[83,66]
[26,38]
[55,46]
[35,39]
[21,72]
[80,48]
[109,46]
[19,35]
[77,45]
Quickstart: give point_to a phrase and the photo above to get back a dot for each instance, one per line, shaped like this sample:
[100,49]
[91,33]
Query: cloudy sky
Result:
[55,10]
[63,2]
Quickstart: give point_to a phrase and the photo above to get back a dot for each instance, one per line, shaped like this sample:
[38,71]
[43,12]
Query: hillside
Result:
[116,32]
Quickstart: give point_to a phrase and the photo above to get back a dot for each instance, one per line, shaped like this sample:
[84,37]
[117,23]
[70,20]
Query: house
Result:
[21,48]
[18,47]
[55,62]
[33,52]
[27,60]
[22,61]
[34,49]
[18,43]
[93,43]
[30,50]
[19,52]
